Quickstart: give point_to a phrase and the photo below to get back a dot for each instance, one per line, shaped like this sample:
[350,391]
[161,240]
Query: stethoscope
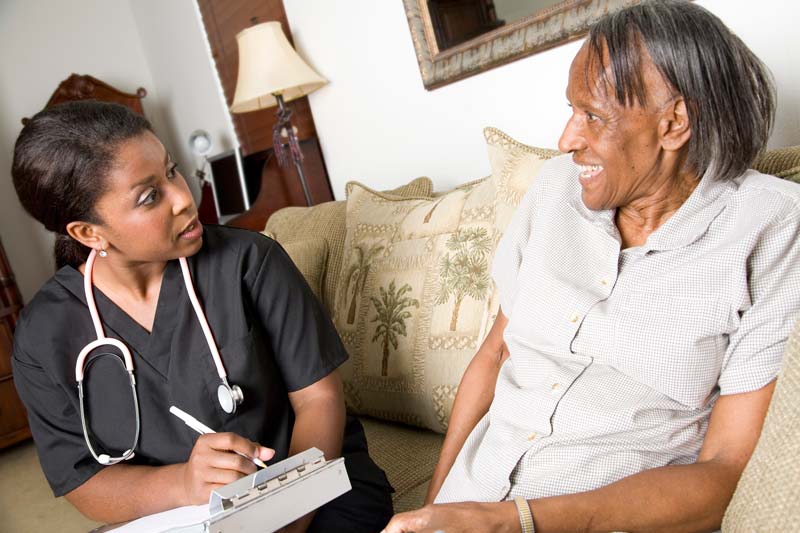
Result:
[229,396]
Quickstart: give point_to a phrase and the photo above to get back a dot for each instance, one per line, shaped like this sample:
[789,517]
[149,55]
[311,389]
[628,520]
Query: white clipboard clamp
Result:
[278,495]
[266,500]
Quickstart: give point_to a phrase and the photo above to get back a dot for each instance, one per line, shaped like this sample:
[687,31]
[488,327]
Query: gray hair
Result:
[729,93]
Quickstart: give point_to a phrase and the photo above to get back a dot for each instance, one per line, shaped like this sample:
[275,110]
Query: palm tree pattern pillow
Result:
[415,298]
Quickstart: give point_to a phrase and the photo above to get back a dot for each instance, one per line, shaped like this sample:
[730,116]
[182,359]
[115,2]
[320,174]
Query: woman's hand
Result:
[215,462]
[457,518]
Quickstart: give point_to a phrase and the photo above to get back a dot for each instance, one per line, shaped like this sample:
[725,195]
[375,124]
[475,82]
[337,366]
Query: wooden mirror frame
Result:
[562,23]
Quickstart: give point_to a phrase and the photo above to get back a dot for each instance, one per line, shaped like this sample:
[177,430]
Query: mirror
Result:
[455,39]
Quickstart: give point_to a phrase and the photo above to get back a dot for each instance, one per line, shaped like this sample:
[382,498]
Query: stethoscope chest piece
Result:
[229,397]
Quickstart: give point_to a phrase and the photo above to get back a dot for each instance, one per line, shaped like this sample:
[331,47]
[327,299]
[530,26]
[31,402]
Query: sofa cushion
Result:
[414,300]
[781,162]
[310,257]
[407,455]
[327,220]
[767,496]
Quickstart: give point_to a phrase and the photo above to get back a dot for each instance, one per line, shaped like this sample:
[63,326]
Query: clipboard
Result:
[266,500]
[278,495]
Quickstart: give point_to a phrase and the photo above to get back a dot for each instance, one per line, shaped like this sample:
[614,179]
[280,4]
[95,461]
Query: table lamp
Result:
[272,73]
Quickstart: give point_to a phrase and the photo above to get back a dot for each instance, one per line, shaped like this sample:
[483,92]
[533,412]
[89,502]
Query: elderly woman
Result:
[648,284]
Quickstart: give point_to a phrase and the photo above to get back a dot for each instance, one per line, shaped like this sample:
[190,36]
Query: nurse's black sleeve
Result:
[306,345]
[55,424]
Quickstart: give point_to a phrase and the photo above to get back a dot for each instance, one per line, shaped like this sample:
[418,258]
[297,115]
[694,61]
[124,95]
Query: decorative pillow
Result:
[327,220]
[514,165]
[412,299]
[415,298]
[310,257]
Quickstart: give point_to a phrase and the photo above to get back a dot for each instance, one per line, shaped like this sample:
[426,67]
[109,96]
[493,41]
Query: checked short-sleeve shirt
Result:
[617,356]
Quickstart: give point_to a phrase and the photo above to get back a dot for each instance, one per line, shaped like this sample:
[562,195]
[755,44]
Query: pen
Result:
[201,428]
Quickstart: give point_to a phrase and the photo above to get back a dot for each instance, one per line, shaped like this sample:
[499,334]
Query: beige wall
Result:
[378,124]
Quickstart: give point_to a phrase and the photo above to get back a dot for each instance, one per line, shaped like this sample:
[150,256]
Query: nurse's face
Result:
[147,210]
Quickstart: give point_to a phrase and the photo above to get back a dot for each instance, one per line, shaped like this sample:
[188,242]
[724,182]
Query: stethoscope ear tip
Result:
[103,459]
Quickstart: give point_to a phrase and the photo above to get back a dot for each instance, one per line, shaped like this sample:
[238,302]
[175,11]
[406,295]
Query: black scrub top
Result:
[272,334]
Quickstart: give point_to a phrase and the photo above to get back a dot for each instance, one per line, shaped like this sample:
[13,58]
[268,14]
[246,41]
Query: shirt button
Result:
[603,282]
[555,386]
[574,317]
[532,436]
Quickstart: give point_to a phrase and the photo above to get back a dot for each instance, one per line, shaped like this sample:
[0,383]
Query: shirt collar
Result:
[119,325]
[692,220]
[685,226]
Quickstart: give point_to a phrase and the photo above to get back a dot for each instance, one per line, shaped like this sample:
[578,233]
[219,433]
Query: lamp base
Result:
[284,124]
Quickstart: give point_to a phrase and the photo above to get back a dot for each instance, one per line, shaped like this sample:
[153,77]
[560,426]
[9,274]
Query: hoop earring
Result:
[102,253]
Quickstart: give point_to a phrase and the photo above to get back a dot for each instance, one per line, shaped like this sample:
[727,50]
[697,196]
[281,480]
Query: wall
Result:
[378,124]
[128,44]
[190,97]
[375,121]
[44,42]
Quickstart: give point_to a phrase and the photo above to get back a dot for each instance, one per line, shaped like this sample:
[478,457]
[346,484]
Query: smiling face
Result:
[617,148]
[147,210]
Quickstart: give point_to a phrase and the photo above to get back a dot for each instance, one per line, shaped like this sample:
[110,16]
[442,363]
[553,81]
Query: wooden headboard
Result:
[85,87]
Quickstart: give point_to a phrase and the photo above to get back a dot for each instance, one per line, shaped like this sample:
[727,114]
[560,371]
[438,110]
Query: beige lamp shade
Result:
[268,65]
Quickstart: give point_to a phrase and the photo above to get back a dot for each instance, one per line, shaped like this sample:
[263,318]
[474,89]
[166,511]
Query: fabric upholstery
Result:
[407,455]
[767,496]
[781,162]
[409,334]
[327,220]
[310,257]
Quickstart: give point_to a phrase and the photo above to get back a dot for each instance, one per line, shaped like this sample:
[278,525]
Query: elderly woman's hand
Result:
[457,518]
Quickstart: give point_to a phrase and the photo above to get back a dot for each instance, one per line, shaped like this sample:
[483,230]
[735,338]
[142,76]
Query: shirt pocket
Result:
[673,344]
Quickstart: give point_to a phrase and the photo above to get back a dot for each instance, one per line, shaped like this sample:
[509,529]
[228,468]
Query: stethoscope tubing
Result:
[201,317]
[229,395]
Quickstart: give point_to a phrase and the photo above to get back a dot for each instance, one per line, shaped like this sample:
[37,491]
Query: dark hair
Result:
[729,93]
[61,160]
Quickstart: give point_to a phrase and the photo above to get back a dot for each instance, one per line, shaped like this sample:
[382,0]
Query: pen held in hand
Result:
[201,428]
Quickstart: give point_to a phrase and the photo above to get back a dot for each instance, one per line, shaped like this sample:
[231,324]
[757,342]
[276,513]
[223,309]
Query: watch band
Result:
[525,516]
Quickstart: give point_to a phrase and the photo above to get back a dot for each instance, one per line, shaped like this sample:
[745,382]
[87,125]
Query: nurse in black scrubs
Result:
[97,176]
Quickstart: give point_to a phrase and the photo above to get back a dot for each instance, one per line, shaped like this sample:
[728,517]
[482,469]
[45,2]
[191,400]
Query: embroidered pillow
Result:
[412,299]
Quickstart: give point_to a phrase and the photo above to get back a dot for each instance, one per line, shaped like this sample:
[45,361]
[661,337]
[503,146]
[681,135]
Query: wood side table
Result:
[280,185]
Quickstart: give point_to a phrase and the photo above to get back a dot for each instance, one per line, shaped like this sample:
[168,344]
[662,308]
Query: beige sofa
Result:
[320,240]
